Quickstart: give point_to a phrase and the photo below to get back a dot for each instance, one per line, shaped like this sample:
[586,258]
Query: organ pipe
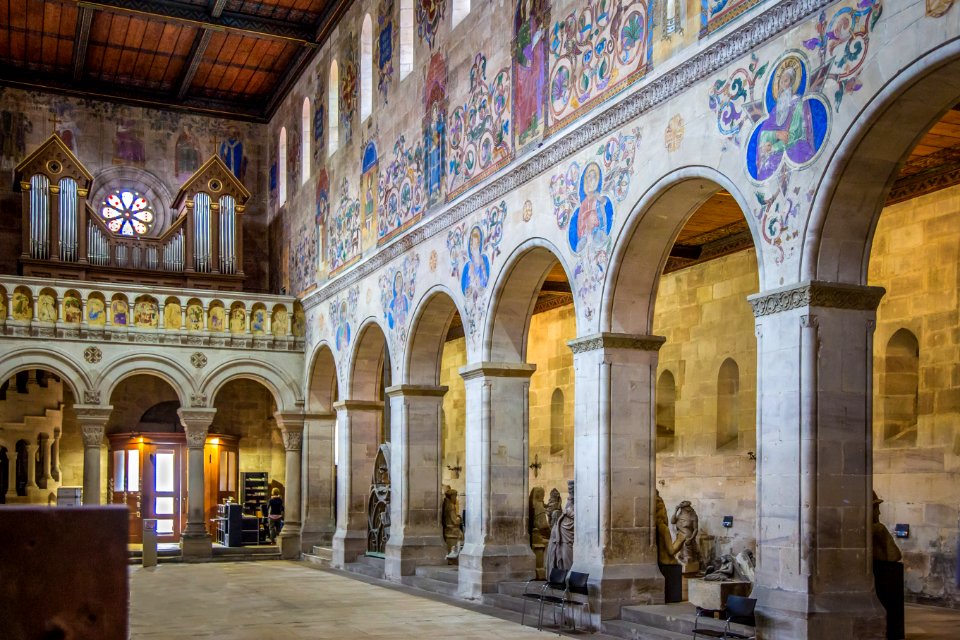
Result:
[227,235]
[68,220]
[39,217]
[201,241]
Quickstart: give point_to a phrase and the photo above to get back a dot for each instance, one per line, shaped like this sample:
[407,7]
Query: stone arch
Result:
[71,372]
[368,359]
[321,379]
[171,371]
[514,296]
[286,392]
[643,245]
[865,163]
[431,322]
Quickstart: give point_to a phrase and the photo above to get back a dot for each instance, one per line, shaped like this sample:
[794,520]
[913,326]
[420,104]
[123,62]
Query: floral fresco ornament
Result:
[734,101]
[397,288]
[472,250]
[429,16]
[583,204]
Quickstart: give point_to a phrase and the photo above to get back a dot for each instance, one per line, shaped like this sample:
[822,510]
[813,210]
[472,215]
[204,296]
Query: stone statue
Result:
[554,506]
[666,553]
[685,545]
[539,527]
[746,565]
[452,534]
[725,571]
[884,546]
[560,547]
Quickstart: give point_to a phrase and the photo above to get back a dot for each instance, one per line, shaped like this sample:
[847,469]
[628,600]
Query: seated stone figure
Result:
[884,546]
[452,534]
[539,520]
[725,569]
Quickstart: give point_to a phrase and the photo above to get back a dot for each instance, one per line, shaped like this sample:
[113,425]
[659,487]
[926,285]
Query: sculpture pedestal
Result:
[888,582]
[538,550]
[672,582]
[713,594]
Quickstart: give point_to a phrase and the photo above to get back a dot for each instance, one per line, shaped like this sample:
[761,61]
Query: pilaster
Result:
[195,542]
[318,480]
[291,429]
[93,422]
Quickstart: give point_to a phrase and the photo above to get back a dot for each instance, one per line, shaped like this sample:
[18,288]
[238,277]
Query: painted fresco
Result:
[96,312]
[22,307]
[3,306]
[14,128]
[231,152]
[386,43]
[217,318]
[584,199]
[398,285]
[128,146]
[46,307]
[72,309]
[280,323]
[344,231]
[172,316]
[146,314]
[779,113]
[479,140]
[595,52]
[186,153]
[343,318]
[401,190]
[194,317]
[473,249]
[294,154]
[303,258]
[368,197]
[65,124]
[299,324]
[238,320]
[676,25]
[531,29]
[322,220]
[258,321]
[118,312]
[429,18]
[715,14]
[434,129]
[348,90]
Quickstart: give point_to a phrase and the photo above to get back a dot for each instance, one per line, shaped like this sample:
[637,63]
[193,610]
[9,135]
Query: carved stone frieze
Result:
[92,434]
[198,400]
[92,355]
[817,294]
[91,396]
[616,341]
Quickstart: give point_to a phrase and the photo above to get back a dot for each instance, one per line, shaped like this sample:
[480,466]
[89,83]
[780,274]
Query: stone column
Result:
[497,542]
[55,453]
[195,542]
[358,432]
[11,495]
[318,481]
[814,462]
[32,485]
[93,422]
[615,474]
[46,444]
[291,428]
[416,531]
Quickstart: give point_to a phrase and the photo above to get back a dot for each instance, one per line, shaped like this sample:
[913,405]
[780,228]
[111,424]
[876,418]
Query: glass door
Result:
[126,487]
[162,498]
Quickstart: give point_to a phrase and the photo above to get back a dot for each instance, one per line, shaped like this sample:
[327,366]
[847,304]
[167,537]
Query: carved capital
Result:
[292,440]
[829,295]
[92,435]
[611,341]
[196,423]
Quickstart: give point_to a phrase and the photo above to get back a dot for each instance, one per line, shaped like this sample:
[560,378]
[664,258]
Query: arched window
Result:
[900,387]
[127,213]
[406,38]
[666,412]
[556,421]
[305,142]
[459,10]
[333,109]
[366,68]
[282,166]
[728,405]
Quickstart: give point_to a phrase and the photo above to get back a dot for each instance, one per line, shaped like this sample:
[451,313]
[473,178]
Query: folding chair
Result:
[737,610]
[556,581]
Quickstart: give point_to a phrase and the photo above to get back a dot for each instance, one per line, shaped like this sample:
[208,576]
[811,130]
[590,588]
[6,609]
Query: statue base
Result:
[888,582]
[672,582]
[713,594]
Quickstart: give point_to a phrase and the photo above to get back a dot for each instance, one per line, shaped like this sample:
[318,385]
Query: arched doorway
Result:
[320,451]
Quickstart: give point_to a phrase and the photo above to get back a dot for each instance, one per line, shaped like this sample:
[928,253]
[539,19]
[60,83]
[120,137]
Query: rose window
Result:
[127,213]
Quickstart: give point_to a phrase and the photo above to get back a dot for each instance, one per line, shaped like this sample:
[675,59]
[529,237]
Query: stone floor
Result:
[267,600]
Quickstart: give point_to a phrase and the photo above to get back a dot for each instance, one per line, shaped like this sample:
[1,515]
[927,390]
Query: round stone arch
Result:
[370,353]
[863,166]
[514,296]
[321,380]
[71,372]
[168,370]
[431,321]
[146,183]
[286,393]
[643,245]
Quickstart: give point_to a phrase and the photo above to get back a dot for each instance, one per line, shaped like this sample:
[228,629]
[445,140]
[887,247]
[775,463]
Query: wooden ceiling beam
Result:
[283,87]
[80,41]
[216,7]
[196,55]
[328,20]
[201,17]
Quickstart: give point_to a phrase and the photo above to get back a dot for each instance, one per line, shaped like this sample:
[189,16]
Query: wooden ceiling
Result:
[229,57]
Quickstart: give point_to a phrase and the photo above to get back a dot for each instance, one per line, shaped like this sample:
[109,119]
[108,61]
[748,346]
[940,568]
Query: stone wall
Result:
[245,408]
[453,434]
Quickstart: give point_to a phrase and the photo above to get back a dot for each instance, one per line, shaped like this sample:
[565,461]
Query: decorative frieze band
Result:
[724,51]
[831,295]
[616,341]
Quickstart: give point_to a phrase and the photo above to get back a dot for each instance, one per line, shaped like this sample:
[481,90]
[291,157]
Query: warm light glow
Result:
[215,441]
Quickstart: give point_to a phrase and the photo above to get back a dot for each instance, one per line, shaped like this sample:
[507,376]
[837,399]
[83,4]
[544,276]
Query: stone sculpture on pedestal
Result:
[666,553]
[560,546]
[539,527]
[685,546]
[452,533]
[554,506]
[884,546]
[726,569]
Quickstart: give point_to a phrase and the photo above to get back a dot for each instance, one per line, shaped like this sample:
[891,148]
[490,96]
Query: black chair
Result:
[556,581]
[738,610]
[577,595]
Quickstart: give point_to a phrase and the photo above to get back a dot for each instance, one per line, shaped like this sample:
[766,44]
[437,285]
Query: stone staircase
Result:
[171,553]
[320,556]
[442,579]
[370,566]
[668,621]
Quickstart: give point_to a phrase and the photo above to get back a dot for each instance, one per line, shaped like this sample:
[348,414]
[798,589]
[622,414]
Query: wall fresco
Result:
[118,311]
[584,196]
[322,220]
[434,129]
[186,158]
[479,140]
[348,90]
[715,14]
[344,231]
[146,314]
[72,308]
[368,197]
[128,146]
[398,285]
[303,258]
[429,17]
[46,307]
[22,307]
[531,28]
[65,124]
[386,41]
[472,250]
[96,312]
[596,51]
[401,191]
[172,316]
[194,316]
[343,318]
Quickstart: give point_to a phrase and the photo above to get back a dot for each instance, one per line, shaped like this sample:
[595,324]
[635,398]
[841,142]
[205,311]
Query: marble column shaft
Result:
[497,543]
[93,422]
[195,541]
[416,530]
[291,429]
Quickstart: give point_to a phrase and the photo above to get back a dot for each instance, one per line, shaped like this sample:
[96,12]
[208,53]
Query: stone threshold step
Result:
[678,617]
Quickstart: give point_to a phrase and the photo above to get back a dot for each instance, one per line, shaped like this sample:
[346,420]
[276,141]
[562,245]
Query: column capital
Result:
[609,341]
[88,414]
[812,293]
[427,390]
[292,439]
[92,435]
[289,420]
[196,423]
[358,405]
[497,370]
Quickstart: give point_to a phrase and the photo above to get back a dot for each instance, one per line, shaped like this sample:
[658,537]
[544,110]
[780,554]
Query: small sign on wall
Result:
[727,522]
[901,530]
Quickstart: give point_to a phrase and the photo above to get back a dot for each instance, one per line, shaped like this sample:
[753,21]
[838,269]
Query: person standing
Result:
[274,515]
